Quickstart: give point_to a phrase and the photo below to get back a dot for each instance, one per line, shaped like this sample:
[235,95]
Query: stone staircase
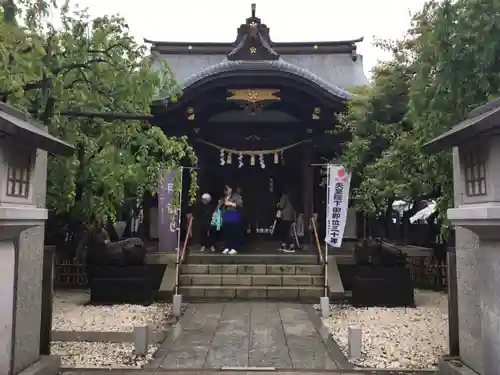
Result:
[283,277]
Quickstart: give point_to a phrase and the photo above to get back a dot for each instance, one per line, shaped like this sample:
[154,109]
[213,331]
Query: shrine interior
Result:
[261,187]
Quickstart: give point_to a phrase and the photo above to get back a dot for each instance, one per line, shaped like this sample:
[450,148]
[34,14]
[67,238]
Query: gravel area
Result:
[392,338]
[70,313]
[100,355]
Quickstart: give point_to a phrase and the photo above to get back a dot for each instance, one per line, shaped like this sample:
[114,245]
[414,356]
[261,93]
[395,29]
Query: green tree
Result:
[90,65]
[446,65]
[456,48]
[381,150]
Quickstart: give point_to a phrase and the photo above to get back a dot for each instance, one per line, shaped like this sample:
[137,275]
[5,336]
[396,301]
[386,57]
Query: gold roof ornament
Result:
[191,114]
[316,113]
[254,95]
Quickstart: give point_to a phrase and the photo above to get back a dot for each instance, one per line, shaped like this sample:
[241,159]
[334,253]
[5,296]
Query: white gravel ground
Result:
[410,338]
[100,355]
[71,314]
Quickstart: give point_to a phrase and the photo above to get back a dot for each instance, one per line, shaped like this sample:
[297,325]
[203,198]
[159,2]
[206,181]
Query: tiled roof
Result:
[266,65]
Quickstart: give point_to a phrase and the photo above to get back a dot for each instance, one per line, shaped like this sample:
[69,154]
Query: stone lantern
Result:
[23,175]
[476,217]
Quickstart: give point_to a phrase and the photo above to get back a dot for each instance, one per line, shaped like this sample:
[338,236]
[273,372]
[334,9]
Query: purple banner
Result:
[167,220]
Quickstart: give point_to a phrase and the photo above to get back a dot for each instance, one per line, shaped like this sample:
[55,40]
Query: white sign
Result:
[339,181]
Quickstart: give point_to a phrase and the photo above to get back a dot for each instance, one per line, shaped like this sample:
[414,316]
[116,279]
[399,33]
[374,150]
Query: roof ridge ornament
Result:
[253,41]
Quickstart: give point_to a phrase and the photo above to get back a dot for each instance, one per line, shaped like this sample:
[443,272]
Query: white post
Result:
[354,342]
[177,305]
[141,340]
[325,300]
[328,187]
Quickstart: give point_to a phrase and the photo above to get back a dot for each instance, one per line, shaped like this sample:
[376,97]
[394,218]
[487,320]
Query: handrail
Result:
[181,254]
[186,240]
[316,238]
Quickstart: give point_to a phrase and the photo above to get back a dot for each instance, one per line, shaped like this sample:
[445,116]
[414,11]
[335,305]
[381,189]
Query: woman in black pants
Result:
[286,219]
[231,204]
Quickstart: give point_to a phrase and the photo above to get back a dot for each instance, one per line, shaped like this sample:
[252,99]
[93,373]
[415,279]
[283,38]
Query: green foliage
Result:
[446,65]
[456,46]
[90,65]
[381,151]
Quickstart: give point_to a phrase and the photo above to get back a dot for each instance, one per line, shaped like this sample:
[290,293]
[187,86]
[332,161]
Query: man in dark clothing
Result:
[207,232]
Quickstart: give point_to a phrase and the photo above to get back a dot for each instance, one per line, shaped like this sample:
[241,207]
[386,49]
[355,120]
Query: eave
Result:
[282,48]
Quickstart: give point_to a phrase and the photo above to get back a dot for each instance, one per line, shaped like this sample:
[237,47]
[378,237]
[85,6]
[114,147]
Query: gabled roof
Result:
[253,52]
[258,32]
[482,120]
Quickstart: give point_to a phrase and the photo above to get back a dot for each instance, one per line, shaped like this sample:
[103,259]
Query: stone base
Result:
[383,286]
[47,365]
[454,367]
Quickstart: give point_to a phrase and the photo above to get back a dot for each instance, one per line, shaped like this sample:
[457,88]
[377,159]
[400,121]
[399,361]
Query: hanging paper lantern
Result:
[229,157]
[252,160]
[222,158]
[276,158]
[240,160]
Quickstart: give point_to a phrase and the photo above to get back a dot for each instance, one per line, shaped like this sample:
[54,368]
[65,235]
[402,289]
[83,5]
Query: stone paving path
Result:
[218,372]
[253,334]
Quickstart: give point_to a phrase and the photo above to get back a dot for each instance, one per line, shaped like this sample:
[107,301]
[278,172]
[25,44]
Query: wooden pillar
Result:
[307,188]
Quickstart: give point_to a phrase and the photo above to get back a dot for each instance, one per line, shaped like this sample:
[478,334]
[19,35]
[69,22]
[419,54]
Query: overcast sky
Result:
[289,21]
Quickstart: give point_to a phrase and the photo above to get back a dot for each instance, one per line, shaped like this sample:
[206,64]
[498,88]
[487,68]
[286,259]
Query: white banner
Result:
[339,181]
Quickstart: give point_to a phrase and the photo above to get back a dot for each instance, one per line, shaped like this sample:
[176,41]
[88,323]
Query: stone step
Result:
[252,269]
[251,280]
[281,293]
[242,258]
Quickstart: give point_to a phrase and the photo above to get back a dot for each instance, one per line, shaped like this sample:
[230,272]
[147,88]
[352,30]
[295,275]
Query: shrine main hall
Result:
[261,116]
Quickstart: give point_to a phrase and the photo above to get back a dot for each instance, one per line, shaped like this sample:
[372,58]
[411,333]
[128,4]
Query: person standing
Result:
[231,204]
[207,232]
[286,217]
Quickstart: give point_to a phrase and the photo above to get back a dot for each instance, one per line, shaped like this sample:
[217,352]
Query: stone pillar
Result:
[479,342]
[489,267]
[7,308]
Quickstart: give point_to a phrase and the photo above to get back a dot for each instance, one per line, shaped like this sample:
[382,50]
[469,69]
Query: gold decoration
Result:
[276,158]
[315,46]
[254,95]
[191,114]
[253,50]
[252,159]
[253,24]
[316,113]
[229,157]
[190,47]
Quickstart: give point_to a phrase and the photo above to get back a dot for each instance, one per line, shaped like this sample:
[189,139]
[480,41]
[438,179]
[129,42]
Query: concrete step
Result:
[251,280]
[281,293]
[252,269]
[242,258]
